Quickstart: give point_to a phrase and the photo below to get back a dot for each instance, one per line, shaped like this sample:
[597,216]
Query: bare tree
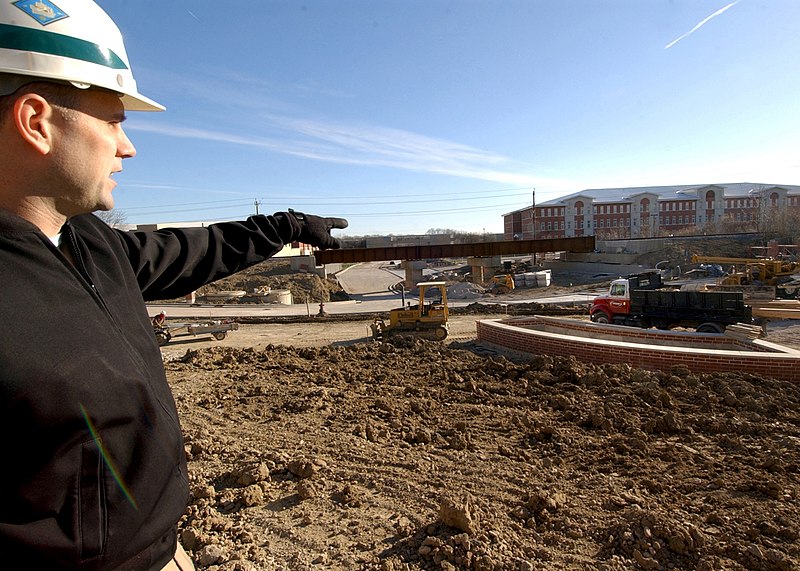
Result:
[114,218]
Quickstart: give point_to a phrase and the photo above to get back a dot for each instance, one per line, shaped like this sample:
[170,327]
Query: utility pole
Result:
[256,203]
[533,220]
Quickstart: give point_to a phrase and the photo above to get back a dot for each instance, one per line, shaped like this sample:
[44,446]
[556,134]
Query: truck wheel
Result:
[440,333]
[219,335]
[600,317]
[710,327]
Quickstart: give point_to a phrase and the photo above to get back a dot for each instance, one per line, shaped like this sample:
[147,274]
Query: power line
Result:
[160,210]
[495,193]
[444,211]
[237,200]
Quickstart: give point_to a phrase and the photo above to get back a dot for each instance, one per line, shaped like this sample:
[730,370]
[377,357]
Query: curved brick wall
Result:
[643,348]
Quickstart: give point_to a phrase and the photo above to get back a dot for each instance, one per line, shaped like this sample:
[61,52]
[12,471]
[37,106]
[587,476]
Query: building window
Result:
[710,200]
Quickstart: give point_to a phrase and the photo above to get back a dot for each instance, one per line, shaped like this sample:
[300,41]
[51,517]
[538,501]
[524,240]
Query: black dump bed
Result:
[717,306]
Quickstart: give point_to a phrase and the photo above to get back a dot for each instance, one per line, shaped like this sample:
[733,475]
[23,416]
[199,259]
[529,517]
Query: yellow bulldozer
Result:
[427,319]
[782,276]
[501,283]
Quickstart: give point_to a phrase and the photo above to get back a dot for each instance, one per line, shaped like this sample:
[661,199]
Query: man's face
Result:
[89,146]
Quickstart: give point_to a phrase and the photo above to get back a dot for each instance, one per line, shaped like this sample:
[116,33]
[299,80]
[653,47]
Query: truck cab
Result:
[615,306]
[642,301]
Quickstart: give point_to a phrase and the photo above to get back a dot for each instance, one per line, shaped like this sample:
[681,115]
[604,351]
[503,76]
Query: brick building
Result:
[651,211]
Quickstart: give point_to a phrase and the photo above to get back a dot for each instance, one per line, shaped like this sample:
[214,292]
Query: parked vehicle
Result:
[642,300]
[501,283]
[164,331]
[749,275]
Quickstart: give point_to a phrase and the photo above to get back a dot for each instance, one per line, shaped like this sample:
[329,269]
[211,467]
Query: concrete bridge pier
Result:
[483,268]
[413,270]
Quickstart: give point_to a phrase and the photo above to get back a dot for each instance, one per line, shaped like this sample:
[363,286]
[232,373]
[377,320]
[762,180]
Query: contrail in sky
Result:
[701,24]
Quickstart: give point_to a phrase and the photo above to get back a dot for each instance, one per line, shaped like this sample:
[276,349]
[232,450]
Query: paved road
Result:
[369,278]
[373,303]
[366,283]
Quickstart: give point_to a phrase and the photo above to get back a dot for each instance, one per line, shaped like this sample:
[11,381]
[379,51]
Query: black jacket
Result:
[94,475]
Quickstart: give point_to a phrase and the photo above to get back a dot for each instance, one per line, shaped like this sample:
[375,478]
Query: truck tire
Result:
[710,327]
[219,335]
[600,317]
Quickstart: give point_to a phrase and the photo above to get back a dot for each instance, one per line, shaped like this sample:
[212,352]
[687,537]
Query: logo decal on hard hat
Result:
[43,11]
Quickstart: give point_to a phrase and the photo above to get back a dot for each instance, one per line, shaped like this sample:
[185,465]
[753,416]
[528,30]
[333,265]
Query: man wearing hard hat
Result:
[95,473]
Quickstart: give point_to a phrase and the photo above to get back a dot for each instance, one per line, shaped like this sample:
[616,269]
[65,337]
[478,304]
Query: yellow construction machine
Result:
[501,283]
[754,273]
[427,319]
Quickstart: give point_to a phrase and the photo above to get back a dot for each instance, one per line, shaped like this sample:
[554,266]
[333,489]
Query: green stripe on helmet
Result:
[40,41]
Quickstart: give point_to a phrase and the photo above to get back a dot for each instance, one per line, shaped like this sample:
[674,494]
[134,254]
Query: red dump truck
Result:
[642,300]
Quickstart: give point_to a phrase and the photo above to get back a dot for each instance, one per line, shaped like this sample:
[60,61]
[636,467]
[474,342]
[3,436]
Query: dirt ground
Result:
[312,448]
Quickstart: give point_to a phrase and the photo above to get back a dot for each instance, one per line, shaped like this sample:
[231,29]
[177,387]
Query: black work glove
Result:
[316,230]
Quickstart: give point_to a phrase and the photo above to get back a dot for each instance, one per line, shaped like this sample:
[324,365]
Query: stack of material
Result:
[777,309]
[744,331]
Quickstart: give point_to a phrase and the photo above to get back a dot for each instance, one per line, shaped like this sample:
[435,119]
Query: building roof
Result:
[687,191]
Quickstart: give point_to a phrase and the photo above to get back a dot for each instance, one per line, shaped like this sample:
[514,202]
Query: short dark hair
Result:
[61,94]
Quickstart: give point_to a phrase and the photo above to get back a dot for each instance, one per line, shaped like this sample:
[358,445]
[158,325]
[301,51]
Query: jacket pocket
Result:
[92,517]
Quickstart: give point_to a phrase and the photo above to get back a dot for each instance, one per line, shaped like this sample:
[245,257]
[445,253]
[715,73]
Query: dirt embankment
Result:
[419,455]
[278,275]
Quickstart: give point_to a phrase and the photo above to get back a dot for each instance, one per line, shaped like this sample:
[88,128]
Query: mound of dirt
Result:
[278,275]
[422,456]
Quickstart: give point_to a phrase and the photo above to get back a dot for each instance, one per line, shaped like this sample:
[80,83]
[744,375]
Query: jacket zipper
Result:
[80,266]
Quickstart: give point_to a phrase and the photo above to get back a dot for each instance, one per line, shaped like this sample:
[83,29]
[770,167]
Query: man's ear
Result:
[33,117]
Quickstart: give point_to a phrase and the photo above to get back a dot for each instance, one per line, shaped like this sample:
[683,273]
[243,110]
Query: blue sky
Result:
[407,115]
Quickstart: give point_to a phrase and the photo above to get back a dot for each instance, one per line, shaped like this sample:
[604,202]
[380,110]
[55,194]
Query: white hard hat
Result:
[66,40]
